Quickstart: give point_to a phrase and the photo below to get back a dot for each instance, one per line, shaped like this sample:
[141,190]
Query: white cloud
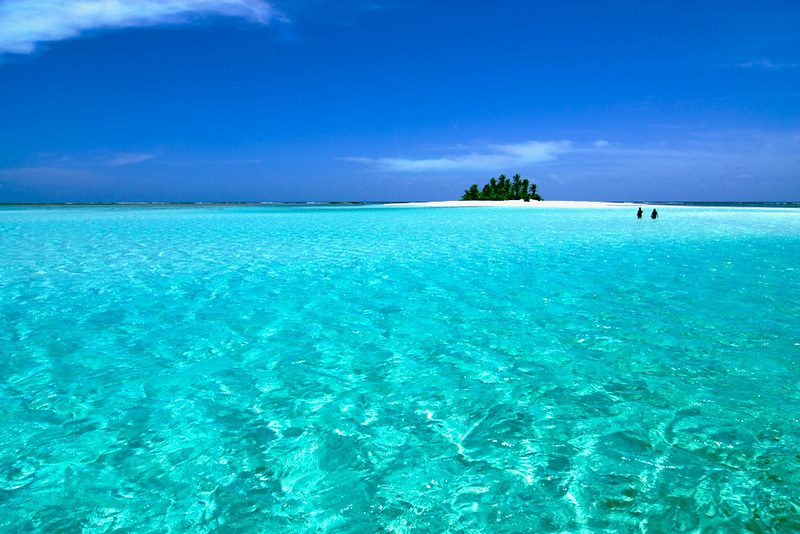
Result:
[687,165]
[128,158]
[492,158]
[94,159]
[25,23]
[766,64]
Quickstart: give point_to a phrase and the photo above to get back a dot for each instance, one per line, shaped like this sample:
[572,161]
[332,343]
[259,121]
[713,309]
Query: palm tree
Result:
[534,194]
[493,192]
[503,189]
[473,193]
[515,186]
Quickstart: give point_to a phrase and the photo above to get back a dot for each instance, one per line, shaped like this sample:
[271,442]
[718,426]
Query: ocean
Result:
[379,369]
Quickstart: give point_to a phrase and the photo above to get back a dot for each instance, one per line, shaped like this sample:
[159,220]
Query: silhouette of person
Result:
[639,213]
[654,215]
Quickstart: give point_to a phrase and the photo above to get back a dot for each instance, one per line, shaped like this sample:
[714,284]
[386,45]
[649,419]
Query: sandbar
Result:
[513,204]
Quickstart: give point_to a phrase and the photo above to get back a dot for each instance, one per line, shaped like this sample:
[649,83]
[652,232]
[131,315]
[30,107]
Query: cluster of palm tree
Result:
[502,188]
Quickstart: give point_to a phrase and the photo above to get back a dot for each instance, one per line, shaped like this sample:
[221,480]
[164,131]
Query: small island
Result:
[503,189]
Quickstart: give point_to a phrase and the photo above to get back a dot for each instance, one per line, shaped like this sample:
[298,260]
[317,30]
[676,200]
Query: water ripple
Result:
[373,369]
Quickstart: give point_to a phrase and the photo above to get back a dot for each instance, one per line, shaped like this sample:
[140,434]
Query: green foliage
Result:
[473,193]
[502,188]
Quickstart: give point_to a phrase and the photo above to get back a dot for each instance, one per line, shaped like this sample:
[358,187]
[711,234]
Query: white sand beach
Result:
[514,204]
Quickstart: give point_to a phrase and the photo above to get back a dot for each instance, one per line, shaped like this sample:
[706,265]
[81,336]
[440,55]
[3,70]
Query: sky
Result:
[391,100]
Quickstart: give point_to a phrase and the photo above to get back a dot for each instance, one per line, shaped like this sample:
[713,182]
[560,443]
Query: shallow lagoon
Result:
[357,369]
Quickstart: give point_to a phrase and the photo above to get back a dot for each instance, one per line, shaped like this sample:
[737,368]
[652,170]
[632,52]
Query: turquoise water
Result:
[370,369]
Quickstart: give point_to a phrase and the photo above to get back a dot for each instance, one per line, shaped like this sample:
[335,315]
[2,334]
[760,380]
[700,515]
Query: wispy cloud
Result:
[67,175]
[490,158]
[128,158]
[36,172]
[26,23]
[687,164]
[766,64]
[94,159]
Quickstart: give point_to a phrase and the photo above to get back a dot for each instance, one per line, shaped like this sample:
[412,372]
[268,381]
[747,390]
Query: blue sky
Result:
[235,100]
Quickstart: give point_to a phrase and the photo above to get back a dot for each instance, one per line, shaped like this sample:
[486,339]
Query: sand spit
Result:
[514,204]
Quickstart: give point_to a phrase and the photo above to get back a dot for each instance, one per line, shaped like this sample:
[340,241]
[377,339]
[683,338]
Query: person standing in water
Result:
[639,213]
[654,215]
